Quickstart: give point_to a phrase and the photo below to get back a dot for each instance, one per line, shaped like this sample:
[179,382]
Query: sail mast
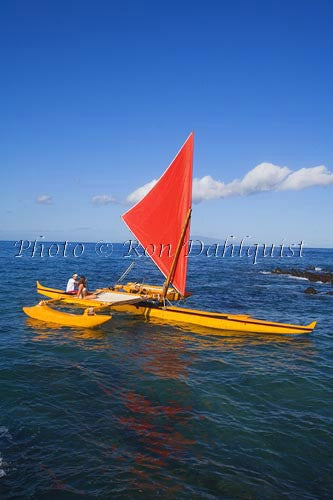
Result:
[176,257]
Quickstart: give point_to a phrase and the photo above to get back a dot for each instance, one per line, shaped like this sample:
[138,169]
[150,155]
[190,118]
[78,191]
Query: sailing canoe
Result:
[161,219]
[212,320]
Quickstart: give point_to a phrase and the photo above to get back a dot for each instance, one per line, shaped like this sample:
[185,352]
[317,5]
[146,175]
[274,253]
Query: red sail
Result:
[157,221]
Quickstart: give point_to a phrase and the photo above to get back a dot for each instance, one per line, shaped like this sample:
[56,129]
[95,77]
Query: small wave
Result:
[298,278]
[4,432]
[318,268]
[2,472]
[265,272]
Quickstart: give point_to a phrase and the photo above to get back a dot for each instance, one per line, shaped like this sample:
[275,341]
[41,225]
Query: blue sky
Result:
[97,97]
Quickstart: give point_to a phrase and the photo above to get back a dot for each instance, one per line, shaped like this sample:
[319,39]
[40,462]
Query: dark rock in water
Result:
[310,290]
[311,276]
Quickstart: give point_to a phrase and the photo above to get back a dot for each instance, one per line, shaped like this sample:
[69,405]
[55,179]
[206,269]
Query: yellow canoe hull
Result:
[217,321]
[45,313]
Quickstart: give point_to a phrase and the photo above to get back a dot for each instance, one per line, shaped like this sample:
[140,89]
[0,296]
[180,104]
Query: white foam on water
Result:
[265,272]
[2,472]
[298,278]
[318,269]
[4,432]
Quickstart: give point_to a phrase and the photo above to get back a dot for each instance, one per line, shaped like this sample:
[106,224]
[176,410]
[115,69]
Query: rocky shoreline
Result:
[312,276]
[309,274]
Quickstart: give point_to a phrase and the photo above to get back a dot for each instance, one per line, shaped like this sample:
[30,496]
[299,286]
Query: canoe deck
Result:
[105,297]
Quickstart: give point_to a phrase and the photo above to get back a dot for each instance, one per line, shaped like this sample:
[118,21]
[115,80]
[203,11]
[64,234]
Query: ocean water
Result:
[146,410]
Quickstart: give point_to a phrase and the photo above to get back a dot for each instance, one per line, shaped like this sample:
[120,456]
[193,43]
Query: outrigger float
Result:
[161,223]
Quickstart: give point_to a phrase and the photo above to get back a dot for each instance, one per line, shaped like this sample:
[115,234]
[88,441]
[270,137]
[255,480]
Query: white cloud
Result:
[263,177]
[307,177]
[103,199]
[139,193]
[44,199]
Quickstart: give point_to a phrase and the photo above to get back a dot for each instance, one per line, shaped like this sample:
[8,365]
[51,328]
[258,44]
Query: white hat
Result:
[74,275]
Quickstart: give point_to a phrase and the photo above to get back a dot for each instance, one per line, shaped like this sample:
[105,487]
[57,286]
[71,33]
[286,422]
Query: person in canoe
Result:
[72,284]
[82,291]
